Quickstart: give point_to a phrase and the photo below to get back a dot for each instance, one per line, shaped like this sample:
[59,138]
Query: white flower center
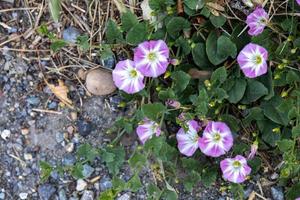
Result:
[152,56]
[133,73]
[236,164]
[216,137]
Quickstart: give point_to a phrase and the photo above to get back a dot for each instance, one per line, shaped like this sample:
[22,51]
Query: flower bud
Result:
[248,3]
[173,103]
[174,62]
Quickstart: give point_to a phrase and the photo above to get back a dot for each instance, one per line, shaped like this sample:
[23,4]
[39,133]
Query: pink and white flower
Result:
[216,140]
[146,129]
[257,21]
[298,2]
[127,78]
[253,60]
[235,169]
[188,140]
[152,58]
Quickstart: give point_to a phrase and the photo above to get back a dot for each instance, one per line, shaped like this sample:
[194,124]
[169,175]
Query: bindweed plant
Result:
[217,93]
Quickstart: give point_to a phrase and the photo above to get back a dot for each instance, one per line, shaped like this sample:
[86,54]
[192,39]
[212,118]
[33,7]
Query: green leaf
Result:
[134,184]
[128,20]
[285,145]
[83,42]
[119,184]
[199,56]
[154,145]
[231,121]
[296,131]
[236,93]
[272,112]
[137,34]
[219,75]
[254,91]
[225,47]
[137,160]
[166,94]
[153,192]
[292,76]
[153,111]
[113,163]
[57,45]
[266,128]
[180,80]
[293,192]
[191,180]
[255,165]
[87,152]
[217,21]
[160,5]
[54,7]
[46,170]
[108,157]
[108,195]
[219,49]
[176,25]
[183,45]
[237,191]
[255,113]
[201,103]
[77,171]
[113,32]
[209,176]
[194,4]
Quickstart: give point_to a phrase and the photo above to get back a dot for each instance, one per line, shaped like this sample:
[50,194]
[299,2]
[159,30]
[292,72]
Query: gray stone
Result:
[59,137]
[70,34]
[46,191]
[68,160]
[62,195]
[2,195]
[52,105]
[277,193]
[87,170]
[124,197]
[84,127]
[105,183]
[32,100]
[109,61]
[87,195]
[248,191]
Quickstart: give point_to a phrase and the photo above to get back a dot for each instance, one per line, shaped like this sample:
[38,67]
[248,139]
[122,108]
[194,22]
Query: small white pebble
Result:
[27,156]
[5,134]
[23,195]
[81,185]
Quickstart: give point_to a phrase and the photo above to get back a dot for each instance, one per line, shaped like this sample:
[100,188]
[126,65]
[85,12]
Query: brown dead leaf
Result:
[252,196]
[199,74]
[215,8]
[180,9]
[61,92]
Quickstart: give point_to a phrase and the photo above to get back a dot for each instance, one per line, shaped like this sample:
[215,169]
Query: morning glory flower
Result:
[188,140]
[216,140]
[152,58]
[235,169]
[127,78]
[146,129]
[253,60]
[257,21]
[298,2]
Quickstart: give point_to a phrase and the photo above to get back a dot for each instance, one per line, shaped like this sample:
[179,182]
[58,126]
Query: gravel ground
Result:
[28,136]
